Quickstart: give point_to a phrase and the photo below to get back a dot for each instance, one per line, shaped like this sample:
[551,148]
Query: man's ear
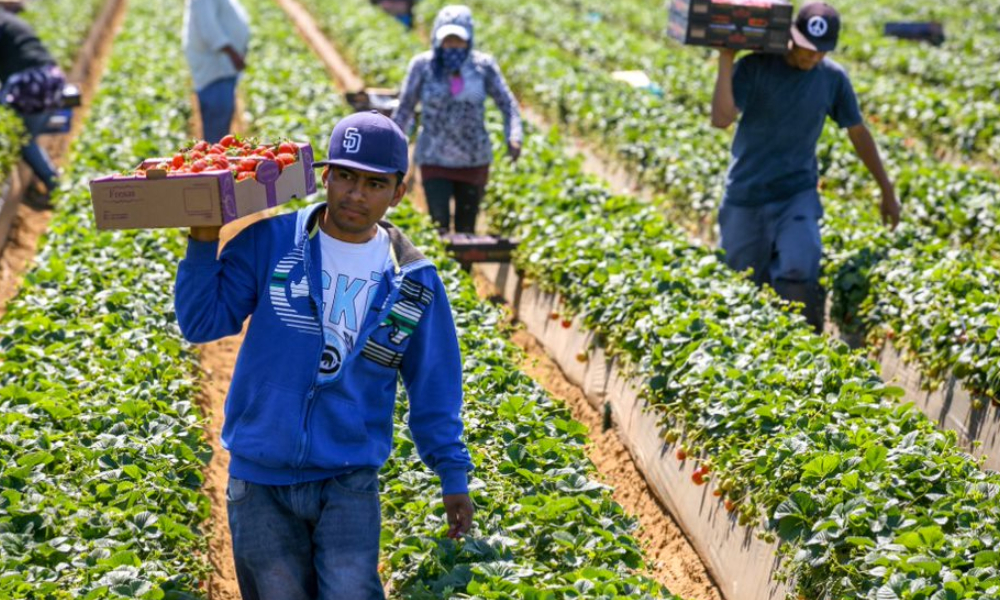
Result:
[397,197]
[325,174]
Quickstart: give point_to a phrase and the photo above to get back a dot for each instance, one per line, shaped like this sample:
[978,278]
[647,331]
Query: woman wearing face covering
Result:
[451,81]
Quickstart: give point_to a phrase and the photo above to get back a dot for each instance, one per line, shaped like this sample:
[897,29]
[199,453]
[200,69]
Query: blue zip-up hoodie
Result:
[281,427]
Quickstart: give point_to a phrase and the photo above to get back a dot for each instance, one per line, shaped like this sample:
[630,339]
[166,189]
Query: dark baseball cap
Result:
[368,141]
[817,27]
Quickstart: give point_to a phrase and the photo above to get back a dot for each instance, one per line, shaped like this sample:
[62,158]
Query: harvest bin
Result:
[762,25]
[211,197]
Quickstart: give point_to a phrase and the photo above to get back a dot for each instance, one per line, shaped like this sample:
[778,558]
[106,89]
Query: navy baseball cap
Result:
[368,141]
[817,27]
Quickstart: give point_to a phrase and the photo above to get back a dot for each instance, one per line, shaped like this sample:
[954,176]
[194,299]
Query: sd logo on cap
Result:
[368,141]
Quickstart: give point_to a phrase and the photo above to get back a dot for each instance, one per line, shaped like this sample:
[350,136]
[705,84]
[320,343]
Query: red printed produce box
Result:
[753,13]
[762,25]
[204,184]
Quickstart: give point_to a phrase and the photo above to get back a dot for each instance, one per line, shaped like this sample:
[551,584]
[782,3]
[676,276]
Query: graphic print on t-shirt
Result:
[342,316]
[350,277]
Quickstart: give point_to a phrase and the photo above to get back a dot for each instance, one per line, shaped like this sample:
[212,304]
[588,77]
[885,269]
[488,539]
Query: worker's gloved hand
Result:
[514,150]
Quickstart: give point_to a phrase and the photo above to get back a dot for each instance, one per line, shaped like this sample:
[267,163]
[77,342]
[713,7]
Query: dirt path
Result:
[335,64]
[30,223]
[674,562]
[217,360]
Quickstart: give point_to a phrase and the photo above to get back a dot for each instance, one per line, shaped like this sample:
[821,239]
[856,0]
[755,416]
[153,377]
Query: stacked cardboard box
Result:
[762,25]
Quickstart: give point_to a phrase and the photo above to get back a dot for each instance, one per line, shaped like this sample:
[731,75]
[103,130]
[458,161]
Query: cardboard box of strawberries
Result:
[204,184]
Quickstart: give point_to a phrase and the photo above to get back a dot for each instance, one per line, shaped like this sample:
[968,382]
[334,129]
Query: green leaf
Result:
[874,460]
[926,564]
[987,559]
[861,542]
[820,467]
[33,459]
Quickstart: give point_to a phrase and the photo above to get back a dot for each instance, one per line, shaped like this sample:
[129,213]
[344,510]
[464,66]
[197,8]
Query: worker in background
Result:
[769,218]
[452,81]
[216,38]
[31,84]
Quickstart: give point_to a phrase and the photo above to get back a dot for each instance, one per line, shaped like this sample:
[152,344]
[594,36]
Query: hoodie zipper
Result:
[391,296]
[311,394]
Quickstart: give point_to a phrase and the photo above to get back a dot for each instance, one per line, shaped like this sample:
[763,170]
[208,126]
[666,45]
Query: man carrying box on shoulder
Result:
[769,219]
[342,305]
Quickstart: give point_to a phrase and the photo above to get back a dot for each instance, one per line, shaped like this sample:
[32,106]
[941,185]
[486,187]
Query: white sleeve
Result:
[205,23]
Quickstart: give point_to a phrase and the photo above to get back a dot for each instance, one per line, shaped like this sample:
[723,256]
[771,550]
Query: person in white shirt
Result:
[216,38]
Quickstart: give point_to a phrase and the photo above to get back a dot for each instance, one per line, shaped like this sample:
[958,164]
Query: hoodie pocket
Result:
[340,419]
[268,432]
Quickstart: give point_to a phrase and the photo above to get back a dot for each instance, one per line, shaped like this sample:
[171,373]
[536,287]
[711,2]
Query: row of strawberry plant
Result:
[544,527]
[62,25]
[797,434]
[12,136]
[101,448]
[871,499]
[939,305]
[961,64]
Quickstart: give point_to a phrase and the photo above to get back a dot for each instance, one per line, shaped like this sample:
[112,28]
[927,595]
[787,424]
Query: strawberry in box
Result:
[204,184]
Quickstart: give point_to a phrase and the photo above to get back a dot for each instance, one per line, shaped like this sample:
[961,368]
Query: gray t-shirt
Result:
[783,113]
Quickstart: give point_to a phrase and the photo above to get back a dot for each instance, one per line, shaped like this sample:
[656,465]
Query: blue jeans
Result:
[309,541]
[33,154]
[217,103]
[779,240]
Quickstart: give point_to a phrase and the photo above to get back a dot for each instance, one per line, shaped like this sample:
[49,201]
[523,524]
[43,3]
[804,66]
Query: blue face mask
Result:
[453,58]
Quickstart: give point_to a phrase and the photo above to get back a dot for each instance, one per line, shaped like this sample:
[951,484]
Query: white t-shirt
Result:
[351,274]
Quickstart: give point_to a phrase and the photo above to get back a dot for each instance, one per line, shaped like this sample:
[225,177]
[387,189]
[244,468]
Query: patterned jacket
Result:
[453,128]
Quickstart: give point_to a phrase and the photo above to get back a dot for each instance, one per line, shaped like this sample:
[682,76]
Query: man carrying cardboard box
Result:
[769,219]
[343,304]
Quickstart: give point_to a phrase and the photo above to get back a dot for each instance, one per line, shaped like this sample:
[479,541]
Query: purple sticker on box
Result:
[306,151]
[267,174]
[227,192]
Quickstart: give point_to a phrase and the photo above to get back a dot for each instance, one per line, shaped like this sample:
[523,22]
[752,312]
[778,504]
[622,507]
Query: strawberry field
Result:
[103,417]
